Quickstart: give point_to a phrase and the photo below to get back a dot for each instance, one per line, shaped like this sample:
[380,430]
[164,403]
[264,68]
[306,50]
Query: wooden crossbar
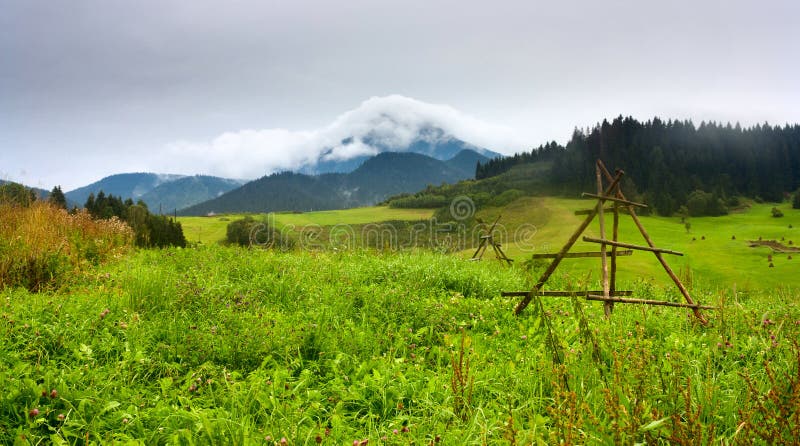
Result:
[570,255]
[631,246]
[647,302]
[616,200]
[607,209]
[561,293]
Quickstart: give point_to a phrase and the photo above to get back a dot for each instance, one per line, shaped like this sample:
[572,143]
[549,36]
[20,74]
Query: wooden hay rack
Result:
[608,191]
[486,240]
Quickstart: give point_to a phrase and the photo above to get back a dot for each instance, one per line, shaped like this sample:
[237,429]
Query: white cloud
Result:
[393,122]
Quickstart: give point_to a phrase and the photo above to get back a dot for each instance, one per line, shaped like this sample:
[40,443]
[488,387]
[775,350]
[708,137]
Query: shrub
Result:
[429,201]
[776,213]
[700,203]
[248,231]
[734,201]
[42,244]
[796,200]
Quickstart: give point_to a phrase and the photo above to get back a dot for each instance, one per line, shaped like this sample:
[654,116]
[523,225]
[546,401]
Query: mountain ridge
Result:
[377,178]
[125,185]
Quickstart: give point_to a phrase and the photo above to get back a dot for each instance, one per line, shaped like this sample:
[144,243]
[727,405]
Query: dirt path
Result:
[774,244]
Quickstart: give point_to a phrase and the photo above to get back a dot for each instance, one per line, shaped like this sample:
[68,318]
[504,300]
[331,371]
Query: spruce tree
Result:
[57,197]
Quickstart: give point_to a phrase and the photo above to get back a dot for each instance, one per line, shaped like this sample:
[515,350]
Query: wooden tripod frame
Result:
[487,239]
[609,295]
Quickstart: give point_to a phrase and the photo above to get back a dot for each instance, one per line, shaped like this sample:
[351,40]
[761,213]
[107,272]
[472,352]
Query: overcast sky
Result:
[236,88]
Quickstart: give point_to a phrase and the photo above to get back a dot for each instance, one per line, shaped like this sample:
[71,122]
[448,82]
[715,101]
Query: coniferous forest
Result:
[150,230]
[674,163]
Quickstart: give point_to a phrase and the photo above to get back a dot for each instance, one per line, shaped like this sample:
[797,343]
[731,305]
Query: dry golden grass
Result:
[41,245]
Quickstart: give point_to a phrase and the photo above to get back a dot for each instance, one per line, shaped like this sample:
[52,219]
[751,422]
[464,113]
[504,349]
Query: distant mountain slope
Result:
[429,141]
[434,142]
[466,161]
[390,173]
[187,191]
[378,177]
[125,185]
[41,193]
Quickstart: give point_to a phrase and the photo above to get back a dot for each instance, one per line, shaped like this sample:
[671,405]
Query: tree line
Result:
[151,230]
[675,164]
[496,166]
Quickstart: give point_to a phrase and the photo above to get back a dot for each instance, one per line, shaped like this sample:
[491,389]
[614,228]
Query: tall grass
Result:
[41,244]
[222,345]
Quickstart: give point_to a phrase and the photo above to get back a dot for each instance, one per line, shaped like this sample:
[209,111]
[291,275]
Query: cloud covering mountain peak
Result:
[388,123]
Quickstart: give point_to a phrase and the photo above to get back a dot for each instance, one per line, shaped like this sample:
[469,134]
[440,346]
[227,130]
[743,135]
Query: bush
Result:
[776,213]
[427,201]
[701,203]
[248,231]
[42,244]
[796,200]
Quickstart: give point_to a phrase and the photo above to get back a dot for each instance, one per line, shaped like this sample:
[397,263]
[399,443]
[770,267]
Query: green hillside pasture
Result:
[209,230]
[712,257]
[217,345]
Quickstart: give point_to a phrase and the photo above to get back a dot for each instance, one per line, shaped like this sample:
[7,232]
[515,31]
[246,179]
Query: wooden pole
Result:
[608,307]
[614,199]
[631,246]
[614,252]
[565,293]
[550,269]
[647,302]
[572,255]
[481,246]
[501,255]
[658,255]
[587,211]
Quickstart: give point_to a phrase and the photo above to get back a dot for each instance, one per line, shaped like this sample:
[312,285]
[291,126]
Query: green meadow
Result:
[217,344]
[717,252]
[210,230]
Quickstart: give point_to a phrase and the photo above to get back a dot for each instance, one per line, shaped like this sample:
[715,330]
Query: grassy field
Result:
[217,345]
[713,258]
[226,345]
[210,230]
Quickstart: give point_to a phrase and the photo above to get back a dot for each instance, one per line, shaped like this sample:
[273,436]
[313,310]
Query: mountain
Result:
[41,193]
[187,191]
[377,178]
[125,185]
[466,161]
[430,141]
[390,173]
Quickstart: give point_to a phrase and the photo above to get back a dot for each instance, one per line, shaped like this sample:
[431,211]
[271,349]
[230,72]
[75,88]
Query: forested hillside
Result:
[377,178]
[669,163]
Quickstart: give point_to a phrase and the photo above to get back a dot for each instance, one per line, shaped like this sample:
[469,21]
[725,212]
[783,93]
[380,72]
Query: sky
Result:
[90,88]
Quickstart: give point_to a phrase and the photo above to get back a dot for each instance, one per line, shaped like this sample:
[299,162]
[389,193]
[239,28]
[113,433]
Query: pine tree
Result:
[57,198]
